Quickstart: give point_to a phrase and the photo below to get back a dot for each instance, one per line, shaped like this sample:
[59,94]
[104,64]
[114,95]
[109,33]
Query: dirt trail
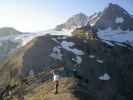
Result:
[60,96]
[46,91]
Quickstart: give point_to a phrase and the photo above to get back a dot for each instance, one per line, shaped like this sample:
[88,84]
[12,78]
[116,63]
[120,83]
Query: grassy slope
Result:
[10,66]
[45,91]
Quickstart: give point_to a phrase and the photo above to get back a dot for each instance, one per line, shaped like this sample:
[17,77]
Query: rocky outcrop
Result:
[113,16]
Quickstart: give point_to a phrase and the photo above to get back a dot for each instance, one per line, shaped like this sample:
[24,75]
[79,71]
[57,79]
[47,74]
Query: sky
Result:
[40,15]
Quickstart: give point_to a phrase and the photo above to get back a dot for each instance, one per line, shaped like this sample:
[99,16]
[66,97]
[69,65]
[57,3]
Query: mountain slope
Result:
[7,42]
[113,16]
[103,70]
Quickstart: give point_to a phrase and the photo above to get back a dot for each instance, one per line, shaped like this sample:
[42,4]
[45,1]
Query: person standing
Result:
[56,81]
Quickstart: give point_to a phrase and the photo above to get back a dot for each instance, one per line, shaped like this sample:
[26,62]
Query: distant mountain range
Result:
[113,16]
[113,23]
[8,31]
[7,45]
[12,39]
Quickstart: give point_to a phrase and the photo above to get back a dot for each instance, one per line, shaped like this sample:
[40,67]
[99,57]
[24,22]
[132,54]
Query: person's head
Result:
[55,72]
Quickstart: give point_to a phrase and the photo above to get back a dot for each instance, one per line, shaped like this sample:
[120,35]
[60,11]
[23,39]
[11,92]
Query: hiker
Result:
[56,81]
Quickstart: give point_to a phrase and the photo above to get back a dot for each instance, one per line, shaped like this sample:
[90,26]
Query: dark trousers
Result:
[56,86]
[56,89]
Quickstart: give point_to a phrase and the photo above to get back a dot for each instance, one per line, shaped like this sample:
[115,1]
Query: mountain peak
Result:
[76,21]
[114,8]
[80,14]
[113,16]
[113,5]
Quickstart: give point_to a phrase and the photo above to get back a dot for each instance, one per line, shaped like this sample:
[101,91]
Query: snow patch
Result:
[116,35]
[100,61]
[108,42]
[104,77]
[78,59]
[91,56]
[95,16]
[55,40]
[56,53]
[119,20]
[77,51]
[57,49]
[120,44]
[67,46]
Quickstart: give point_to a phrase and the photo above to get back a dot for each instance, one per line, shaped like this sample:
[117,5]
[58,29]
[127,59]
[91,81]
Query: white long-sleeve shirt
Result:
[56,77]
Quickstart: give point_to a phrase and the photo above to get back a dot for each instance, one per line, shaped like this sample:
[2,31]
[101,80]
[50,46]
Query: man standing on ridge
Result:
[56,81]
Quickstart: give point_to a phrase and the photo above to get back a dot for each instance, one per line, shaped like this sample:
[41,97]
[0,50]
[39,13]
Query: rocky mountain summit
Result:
[76,21]
[113,16]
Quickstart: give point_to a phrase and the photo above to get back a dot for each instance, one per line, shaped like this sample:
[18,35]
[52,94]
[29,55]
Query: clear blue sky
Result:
[37,15]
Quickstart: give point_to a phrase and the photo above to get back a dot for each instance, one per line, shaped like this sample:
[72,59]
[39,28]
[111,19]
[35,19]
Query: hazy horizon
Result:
[39,15]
